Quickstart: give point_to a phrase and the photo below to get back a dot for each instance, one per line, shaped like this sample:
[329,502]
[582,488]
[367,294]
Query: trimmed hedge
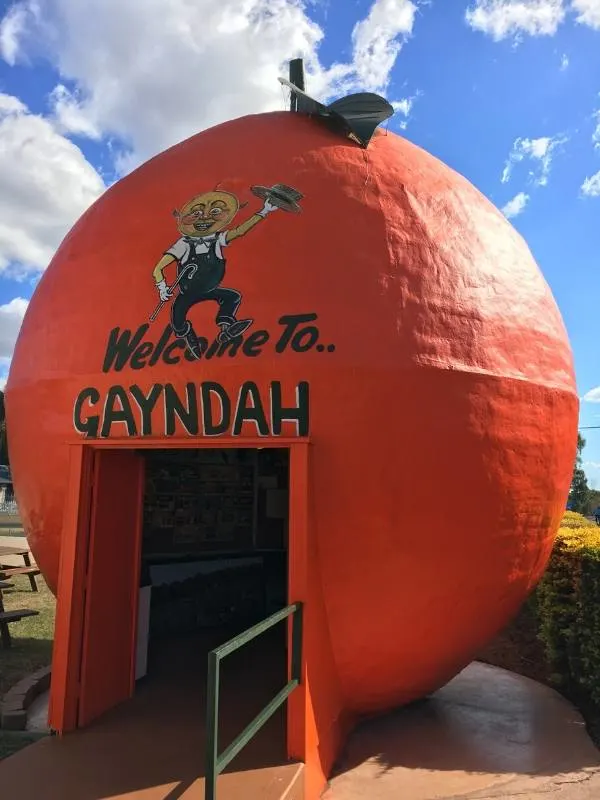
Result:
[567,604]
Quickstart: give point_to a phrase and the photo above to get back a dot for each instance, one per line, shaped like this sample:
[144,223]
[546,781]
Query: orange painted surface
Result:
[70,608]
[443,407]
[108,670]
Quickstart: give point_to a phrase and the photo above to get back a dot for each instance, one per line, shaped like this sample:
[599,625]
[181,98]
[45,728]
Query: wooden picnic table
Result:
[8,617]
[7,571]
[15,551]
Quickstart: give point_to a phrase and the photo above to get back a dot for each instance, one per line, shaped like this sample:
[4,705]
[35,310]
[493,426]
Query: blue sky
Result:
[506,92]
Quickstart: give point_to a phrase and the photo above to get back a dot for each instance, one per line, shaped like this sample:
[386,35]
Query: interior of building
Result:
[214,563]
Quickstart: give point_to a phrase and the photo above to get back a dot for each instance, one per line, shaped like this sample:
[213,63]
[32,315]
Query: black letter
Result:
[138,358]
[233,345]
[212,350]
[113,414]
[89,427]
[146,404]
[246,413]
[162,343]
[291,321]
[188,414]
[313,338]
[253,344]
[119,347]
[211,428]
[168,358]
[300,413]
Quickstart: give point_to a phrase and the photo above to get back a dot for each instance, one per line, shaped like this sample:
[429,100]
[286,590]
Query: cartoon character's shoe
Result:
[233,330]
[193,345]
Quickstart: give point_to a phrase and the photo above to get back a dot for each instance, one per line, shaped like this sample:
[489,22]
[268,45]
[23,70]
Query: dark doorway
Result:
[214,563]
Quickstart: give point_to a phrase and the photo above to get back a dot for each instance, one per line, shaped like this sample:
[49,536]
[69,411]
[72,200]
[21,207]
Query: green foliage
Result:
[568,607]
[593,501]
[579,495]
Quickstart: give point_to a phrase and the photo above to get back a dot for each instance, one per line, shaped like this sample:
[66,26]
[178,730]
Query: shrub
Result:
[572,519]
[567,602]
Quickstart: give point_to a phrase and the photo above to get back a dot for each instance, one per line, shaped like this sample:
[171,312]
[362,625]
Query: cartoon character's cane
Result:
[192,271]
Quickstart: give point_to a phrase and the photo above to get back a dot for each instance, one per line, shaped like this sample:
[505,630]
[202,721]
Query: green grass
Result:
[31,637]
[31,648]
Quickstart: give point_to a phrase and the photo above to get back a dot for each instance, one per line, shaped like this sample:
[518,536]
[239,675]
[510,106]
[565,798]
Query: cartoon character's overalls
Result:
[202,275]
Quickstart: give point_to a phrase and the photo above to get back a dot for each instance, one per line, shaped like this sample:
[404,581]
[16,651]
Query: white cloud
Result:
[13,26]
[515,206]
[564,62]
[11,317]
[596,133]
[539,151]
[404,107]
[377,40]
[593,396]
[45,185]
[591,186]
[502,19]
[68,114]
[587,12]
[153,72]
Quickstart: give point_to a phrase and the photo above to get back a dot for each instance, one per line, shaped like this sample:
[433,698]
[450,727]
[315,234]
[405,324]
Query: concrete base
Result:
[487,734]
[37,714]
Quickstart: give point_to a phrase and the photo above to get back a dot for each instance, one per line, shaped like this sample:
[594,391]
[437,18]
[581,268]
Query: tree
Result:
[593,501]
[580,492]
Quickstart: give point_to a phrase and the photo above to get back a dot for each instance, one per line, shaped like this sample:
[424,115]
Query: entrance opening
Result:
[213,563]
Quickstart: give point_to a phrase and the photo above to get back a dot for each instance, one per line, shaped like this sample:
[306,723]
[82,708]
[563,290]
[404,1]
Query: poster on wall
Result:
[198,506]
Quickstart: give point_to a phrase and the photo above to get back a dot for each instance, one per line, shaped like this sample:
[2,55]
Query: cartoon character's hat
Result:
[280,195]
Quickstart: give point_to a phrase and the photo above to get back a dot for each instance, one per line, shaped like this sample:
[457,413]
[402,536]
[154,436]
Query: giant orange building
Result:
[273,343]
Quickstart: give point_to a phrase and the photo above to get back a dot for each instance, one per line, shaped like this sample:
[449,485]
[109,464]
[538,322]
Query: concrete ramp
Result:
[89,768]
[153,746]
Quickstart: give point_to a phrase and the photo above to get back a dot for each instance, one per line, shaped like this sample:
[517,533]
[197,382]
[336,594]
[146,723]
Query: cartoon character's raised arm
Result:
[244,227]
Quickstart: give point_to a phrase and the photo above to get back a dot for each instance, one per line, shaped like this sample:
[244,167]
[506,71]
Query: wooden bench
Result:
[31,572]
[7,617]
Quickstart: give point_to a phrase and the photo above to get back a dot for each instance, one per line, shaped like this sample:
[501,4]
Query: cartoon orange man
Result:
[202,223]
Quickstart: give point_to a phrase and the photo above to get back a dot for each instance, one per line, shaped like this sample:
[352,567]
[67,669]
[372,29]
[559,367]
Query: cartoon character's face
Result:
[207,213]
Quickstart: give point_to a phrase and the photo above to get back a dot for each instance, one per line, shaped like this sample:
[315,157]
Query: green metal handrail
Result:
[215,763]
